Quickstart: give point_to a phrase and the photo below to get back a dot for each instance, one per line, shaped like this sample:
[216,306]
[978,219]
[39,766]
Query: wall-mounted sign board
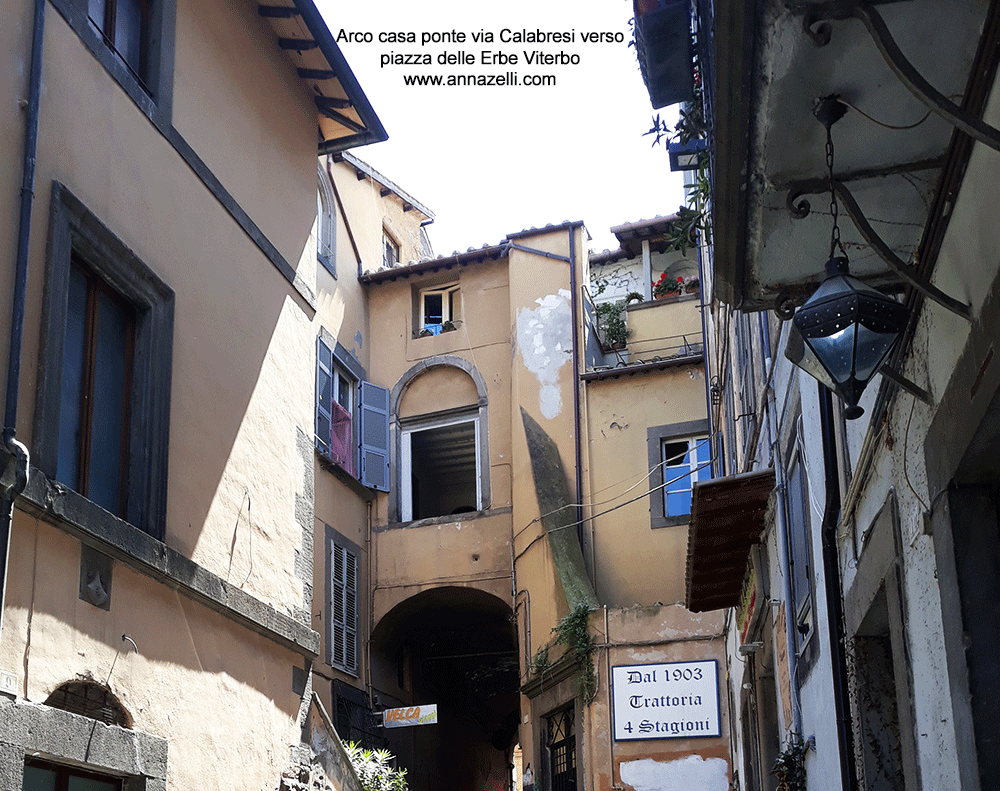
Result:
[673,700]
[410,715]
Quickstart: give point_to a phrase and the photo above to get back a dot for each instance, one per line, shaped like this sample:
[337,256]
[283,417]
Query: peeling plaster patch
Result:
[545,339]
[692,771]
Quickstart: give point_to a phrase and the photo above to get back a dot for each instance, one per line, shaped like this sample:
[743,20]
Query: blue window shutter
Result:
[374,436]
[324,395]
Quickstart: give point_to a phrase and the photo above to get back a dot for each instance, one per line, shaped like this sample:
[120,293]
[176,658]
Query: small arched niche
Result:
[92,700]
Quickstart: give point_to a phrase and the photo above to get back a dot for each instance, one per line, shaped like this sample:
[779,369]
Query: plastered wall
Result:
[241,400]
[634,563]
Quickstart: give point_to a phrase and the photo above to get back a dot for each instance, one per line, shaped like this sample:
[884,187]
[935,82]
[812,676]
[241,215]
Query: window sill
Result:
[55,504]
[327,262]
[345,477]
[657,522]
[468,516]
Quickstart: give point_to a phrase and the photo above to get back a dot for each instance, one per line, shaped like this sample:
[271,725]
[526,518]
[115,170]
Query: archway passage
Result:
[455,647]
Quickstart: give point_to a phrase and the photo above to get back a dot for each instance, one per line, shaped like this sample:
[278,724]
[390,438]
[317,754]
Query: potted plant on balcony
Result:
[667,286]
[611,319]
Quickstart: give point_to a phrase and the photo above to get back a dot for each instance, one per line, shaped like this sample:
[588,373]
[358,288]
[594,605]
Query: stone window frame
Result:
[73,229]
[154,94]
[655,437]
[336,541]
[60,737]
[396,426]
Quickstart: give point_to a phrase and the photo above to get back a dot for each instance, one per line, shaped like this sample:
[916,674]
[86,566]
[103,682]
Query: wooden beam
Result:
[333,115]
[324,103]
[407,206]
[317,74]
[277,11]
[298,44]
[385,191]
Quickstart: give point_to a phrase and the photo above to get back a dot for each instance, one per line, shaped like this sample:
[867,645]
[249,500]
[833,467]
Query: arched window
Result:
[326,224]
[440,421]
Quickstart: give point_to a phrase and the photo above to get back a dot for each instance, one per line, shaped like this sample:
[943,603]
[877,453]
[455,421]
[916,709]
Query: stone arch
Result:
[455,646]
[481,409]
[92,700]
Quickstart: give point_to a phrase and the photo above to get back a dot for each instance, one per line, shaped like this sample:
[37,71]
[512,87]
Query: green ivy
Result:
[540,661]
[573,632]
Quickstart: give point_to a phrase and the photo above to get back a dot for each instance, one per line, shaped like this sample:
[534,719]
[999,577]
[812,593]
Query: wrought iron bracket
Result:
[815,21]
[903,383]
[799,208]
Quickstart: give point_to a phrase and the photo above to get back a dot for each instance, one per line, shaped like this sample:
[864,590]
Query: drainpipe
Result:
[781,530]
[707,365]
[575,306]
[834,603]
[11,446]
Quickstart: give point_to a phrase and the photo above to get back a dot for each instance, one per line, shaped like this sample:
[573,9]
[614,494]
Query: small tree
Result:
[374,769]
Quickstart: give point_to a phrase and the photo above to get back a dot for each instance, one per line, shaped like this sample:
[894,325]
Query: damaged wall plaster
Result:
[692,771]
[545,339]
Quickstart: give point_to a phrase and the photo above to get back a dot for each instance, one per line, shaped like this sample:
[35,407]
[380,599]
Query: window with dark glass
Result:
[560,742]
[124,25]
[440,471]
[102,411]
[440,306]
[390,250]
[95,393]
[326,226]
[44,776]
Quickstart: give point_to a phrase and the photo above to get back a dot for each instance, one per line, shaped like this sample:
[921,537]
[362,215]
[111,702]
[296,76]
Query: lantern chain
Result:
[835,242]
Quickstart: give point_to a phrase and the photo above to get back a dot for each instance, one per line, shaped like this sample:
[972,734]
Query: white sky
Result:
[489,161]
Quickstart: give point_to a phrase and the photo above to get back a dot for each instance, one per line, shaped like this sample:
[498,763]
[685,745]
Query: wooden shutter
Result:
[324,395]
[373,435]
[344,609]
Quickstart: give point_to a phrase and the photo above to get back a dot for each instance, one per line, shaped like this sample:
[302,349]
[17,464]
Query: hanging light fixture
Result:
[846,329]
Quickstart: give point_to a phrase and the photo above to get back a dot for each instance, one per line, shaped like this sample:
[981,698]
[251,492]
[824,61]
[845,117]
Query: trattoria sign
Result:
[674,700]
[410,715]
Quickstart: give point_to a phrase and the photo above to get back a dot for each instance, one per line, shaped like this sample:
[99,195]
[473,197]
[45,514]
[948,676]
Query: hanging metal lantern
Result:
[848,329]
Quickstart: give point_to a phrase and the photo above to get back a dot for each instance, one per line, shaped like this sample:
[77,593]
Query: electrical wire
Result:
[881,123]
[639,482]
[608,511]
[250,532]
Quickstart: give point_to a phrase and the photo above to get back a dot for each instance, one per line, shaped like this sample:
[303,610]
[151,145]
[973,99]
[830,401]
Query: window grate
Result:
[561,743]
[90,699]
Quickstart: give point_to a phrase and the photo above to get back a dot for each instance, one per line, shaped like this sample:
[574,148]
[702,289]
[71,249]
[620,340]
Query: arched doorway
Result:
[455,647]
